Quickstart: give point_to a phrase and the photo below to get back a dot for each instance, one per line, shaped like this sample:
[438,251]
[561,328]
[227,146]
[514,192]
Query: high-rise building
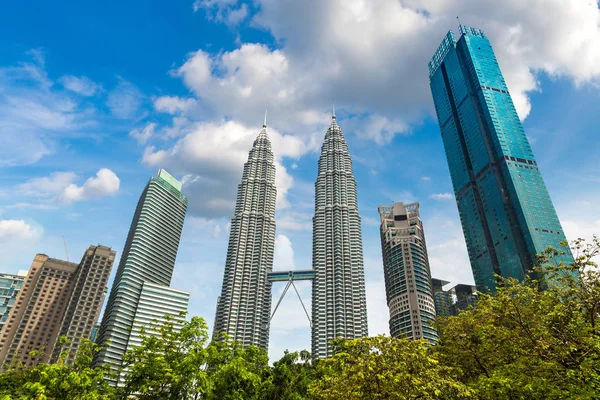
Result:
[148,256]
[443,299]
[454,300]
[339,308]
[9,289]
[87,295]
[155,303]
[57,298]
[35,320]
[466,295]
[505,210]
[406,271]
[244,307]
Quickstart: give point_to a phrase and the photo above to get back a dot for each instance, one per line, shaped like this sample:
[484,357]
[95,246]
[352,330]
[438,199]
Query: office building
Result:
[442,299]
[466,296]
[56,298]
[339,308]
[505,210]
[148,257]
[35,320]
[85,303]
[454,300]
[244,307]
[406,271]
[9,289]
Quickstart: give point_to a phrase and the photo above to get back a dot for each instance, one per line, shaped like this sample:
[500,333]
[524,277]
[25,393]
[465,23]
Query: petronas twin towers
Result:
[338,296]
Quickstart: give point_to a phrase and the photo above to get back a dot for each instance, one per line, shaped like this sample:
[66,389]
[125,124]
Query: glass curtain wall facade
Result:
[244,307]
[339,308]
[149,256]
[407,273]
[505,209]
[9,290]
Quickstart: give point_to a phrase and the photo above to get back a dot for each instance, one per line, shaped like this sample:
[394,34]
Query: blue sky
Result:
[95,97]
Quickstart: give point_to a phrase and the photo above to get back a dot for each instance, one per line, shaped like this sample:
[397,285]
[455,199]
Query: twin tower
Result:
[338,294]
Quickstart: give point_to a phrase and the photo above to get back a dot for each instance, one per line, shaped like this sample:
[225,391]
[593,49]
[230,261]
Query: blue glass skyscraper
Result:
[505,210]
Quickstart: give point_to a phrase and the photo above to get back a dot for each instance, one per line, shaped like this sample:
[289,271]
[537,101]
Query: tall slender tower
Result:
[244,307]
[148,257]
[407,274]
[339,308]
[505,210]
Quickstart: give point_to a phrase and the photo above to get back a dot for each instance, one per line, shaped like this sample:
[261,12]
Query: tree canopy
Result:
[536,339]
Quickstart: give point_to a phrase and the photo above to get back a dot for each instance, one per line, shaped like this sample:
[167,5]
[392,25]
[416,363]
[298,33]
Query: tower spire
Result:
[333,110]
[265,123]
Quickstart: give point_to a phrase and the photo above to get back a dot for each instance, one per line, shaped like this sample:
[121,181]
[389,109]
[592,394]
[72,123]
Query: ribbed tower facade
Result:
[244,307]
[148,257]
[339,308]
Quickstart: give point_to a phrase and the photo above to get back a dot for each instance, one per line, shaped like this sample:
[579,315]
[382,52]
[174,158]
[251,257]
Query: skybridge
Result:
[290,277]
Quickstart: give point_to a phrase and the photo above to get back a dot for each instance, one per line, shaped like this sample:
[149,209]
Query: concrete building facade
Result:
[407,273]
[57,298]
[85,303]
[36,317]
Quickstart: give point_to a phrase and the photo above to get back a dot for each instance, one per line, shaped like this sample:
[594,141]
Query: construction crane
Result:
[66,251]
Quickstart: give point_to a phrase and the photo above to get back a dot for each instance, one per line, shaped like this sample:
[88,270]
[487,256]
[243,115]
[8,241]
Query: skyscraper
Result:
[35,320]
[87,294]
[407,274]
[244,307]
[149,256]
[505,210]
[339,308]
[9,290]
[57,298]
[443,299]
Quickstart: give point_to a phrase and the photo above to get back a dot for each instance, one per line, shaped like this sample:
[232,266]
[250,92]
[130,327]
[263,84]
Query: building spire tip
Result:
[265,123]
[333,110]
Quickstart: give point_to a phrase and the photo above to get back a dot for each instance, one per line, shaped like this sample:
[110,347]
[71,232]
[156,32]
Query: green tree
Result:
[237,373]
[290,377]
[170,363]
[528,343]
[384,367]
[58,381]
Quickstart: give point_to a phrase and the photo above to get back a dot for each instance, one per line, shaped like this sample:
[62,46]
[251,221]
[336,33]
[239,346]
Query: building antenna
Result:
[458,20]
[333,110]
[265,123]
[66,251]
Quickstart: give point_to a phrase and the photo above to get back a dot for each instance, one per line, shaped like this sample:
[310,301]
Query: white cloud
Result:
[372,56]
[34,115]
[294,221]
[442,196]
[47,186]
[223,10]
[216,228]
[426,178]
[105,183]
[125,100]
[31,206]
[370,221]
[11,229]
[83,85]
[283,259]
[59,186]
[144,134]
[173,104]
[211,157]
